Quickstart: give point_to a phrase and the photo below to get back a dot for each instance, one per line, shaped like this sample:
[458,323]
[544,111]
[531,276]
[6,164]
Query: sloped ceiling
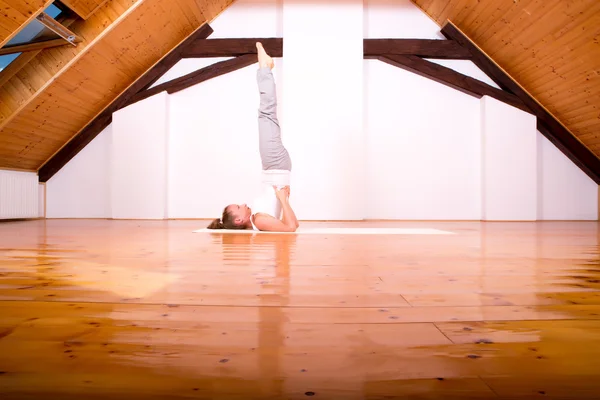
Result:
[550,47]
[60,90]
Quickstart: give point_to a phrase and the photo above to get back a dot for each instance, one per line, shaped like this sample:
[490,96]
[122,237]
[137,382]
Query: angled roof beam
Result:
[203,48]
[547,124]
[196,77]
[103,119]
[427,48]
[451,78]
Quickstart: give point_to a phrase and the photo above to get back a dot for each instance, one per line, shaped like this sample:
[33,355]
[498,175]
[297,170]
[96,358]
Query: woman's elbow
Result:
[292,228]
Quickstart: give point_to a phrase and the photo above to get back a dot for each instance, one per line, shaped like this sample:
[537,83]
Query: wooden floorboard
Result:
[147,309]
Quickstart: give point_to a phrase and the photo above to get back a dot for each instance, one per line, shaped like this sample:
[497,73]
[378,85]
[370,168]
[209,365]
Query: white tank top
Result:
[266,202]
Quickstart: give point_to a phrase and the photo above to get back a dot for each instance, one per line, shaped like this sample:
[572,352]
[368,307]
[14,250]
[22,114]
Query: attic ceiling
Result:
[47,96]
[551,48]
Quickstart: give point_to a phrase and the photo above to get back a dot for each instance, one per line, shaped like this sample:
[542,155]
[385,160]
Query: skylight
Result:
[27,34]
[7,59]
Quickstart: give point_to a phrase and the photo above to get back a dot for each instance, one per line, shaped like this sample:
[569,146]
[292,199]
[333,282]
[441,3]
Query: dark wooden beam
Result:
[233,47]
[196,77]
[427,48]
[547,124]
[98,124]
[451,78]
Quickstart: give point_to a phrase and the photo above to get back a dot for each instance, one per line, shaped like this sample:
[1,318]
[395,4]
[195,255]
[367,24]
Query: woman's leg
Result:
[273,153]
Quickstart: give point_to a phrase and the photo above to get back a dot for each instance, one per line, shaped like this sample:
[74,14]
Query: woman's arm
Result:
[287,223]
[288,218]
[265,222]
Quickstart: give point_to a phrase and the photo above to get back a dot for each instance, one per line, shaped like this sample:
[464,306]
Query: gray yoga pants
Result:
[272,152]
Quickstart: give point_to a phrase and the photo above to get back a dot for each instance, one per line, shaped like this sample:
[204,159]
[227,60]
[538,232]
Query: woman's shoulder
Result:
[257,219]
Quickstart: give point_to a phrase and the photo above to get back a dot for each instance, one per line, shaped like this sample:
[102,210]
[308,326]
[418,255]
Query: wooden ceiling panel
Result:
[550,47]
[16,14]
[84,8]
[121,41]
[50,61]
[209,7]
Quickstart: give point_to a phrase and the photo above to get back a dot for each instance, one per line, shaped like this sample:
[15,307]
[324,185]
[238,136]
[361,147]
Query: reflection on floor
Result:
[149,309]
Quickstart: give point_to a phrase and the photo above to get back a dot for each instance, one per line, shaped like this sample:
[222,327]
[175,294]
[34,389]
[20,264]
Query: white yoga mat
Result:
[338,231]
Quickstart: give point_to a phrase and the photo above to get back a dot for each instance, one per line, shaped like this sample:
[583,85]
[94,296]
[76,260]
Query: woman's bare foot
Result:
[264,60]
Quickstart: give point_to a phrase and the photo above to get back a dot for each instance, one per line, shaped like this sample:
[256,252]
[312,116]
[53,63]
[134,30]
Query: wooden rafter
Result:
[547,124]
[102,120]
[451,78]
[54,96]
[402,53]
[427,48]
[196,77]
[232,47]
[442,49]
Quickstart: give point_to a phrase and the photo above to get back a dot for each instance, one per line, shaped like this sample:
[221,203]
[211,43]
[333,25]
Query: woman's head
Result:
[235,216]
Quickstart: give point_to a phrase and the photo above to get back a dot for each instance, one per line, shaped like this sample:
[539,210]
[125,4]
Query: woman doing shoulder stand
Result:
[271,211]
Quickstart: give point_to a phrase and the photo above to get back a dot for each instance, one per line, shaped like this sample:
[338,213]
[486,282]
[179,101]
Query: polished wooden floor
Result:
[147,309]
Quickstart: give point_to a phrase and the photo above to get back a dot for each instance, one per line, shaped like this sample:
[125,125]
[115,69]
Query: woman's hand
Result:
[283,193]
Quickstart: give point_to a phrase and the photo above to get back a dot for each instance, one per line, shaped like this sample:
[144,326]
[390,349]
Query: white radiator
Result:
[19,195]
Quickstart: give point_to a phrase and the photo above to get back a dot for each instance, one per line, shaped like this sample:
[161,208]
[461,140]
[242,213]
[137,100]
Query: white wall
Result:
[42,200]
[138,168]
[213,128]
[423,156]
[397,19]
[213,148]
[323,106]
[565,192]
[81,188]
[509,162]
[249,18]
[371,140]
